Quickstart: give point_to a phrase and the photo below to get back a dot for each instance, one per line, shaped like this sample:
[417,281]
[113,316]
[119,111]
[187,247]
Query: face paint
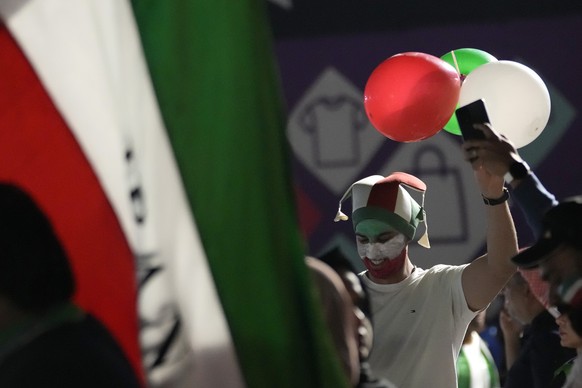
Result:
[377,251]
[387,267]
[381,257]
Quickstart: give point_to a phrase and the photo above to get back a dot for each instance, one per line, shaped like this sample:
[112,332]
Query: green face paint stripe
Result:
[385,216]
[372,227]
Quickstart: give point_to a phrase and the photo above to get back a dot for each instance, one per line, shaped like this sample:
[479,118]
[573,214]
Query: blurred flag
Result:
[222,292]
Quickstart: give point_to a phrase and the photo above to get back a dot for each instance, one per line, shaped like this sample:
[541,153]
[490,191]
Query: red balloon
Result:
[411,96]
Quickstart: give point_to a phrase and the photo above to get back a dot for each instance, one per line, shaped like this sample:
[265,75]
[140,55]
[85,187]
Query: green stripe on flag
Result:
[214,73]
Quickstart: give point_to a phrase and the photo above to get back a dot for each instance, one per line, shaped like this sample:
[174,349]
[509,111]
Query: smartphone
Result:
[472,113]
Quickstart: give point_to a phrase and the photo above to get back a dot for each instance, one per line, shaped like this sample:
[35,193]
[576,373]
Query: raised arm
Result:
[485,276]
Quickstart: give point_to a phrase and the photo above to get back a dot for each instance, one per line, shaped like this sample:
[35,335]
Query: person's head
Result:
[360,299]
[338,312]
[558,252]
[34,268]
[385,218]
[569,338]
[520,302]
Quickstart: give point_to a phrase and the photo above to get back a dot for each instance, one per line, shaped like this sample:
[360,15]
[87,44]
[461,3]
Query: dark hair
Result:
[337,260]
[34,268]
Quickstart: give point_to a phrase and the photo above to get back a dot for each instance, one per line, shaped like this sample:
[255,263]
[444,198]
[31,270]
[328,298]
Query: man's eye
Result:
[386,237]
[362,240]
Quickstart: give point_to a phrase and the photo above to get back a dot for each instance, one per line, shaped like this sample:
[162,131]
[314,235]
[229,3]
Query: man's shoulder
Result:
[443,269]
[444,274]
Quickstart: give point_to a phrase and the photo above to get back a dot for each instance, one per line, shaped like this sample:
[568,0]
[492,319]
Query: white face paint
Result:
[377,252]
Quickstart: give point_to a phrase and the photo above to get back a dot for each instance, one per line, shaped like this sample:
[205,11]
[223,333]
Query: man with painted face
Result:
[421,316]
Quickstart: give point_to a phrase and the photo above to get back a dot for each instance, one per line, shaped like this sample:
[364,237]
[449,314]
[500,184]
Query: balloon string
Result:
[456,63]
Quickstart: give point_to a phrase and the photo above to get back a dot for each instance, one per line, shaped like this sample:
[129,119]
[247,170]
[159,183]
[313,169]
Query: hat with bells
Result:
[387,200]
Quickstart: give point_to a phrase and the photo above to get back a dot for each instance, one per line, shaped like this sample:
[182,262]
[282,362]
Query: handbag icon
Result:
[444,201]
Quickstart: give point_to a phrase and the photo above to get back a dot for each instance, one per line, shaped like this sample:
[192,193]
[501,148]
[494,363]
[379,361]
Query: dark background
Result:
[309,18]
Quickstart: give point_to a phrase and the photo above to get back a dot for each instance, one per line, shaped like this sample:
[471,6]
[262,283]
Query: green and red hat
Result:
[386,199]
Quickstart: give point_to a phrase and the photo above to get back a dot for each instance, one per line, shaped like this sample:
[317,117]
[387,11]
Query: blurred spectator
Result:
[532,345]
[362,314]
[475,366]
[572,339]
[358,307]
[45,340]
[337,311]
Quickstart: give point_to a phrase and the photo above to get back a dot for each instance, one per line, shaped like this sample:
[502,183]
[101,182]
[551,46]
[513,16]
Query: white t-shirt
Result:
[419,325]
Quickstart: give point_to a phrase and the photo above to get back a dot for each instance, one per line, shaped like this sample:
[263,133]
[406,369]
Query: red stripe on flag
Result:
[39,153]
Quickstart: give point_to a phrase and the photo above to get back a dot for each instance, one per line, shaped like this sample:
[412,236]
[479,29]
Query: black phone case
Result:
[470,114]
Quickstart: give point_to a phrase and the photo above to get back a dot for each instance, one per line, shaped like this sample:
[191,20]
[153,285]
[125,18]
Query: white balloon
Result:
[517,100]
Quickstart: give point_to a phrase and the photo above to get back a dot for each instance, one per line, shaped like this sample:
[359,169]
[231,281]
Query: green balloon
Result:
[465,60]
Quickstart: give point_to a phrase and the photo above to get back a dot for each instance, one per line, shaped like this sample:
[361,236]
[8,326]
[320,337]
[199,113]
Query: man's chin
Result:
[385,268]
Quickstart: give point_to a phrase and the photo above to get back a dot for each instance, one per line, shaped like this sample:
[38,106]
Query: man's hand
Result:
[509,326]
[495,153]
[490,158]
